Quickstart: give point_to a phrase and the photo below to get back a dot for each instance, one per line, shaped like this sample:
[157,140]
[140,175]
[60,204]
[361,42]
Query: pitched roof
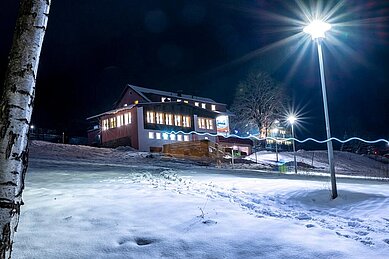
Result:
[129,107]
[142,91]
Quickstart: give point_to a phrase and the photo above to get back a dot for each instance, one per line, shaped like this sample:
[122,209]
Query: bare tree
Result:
[259,100]
[15,114]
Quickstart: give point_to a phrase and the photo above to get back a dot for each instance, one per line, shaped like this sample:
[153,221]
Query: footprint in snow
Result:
[141,241]
[209,222]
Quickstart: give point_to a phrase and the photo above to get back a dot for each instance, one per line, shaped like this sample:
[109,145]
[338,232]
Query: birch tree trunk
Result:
[15,113]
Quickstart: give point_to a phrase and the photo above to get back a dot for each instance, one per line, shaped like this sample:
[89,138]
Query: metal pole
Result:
[294,151]
[329,142]
[276,150]
[232,157]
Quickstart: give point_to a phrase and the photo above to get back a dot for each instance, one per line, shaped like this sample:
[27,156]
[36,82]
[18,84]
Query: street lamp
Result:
[292,119]
[317,31]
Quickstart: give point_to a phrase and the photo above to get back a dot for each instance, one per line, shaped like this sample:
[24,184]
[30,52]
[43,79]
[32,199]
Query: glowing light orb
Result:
[317,29]
[292,119]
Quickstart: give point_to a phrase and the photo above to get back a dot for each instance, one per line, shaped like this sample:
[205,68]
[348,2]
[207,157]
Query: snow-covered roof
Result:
[142,91]
[129,107]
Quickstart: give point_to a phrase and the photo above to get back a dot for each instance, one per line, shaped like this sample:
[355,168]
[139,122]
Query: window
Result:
[136,102]
[150,117]
[210,124]
[169,119]
[158,135]
[105,124]
[186,121]
[172,137]
[151,135]
[127,118]
[179,100]
[179,137]
[186,137]
[112,123]
[213,107]
[119,120]
[204,123]
[165,136]
[197,104]
[203,105]
[159,118]
[163,99]
[177,120]
[201,123]
[185,101]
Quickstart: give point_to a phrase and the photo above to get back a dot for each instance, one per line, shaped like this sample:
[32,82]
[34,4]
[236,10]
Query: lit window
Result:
[105,124]
[127,118]
[150,117]
[213,107]
[169,119]
[179,137]
[186,137]
[197,104]
[177,120]
[151,135]
[201,123]
[186,101]
[125,105]
[205,137]
[112,123]
[136,102]
[165,136]
[204,123]
[158,135]
[186,121]
[203,105]
[179,100]
[210,124]
[119,120]
[163,99]
[172,137]
[159,118]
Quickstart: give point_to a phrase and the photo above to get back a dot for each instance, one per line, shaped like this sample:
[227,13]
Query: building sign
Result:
[222,124]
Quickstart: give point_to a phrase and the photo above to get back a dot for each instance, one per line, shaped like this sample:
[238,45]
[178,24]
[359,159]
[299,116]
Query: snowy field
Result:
[84,202]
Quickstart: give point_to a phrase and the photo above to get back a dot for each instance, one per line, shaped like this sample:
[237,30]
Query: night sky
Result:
[93,48]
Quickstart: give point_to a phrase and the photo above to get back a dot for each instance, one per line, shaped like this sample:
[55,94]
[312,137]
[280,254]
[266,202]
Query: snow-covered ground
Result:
[345,163]
[84,202]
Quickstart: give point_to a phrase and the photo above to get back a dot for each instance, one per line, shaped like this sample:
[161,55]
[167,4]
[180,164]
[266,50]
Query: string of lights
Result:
[282,139]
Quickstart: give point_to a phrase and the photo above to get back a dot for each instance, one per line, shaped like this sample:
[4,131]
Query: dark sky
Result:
[93,48]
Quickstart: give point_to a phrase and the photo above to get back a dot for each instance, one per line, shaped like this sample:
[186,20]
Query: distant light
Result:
[248,133]
[276,121]
[292,119]
[236,132]
[317,29]
[32,127]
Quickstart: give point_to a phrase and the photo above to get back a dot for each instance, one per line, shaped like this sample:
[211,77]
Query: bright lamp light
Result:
[292,119]
[317,29]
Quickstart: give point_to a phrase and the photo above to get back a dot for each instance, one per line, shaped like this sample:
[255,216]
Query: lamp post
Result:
[317,31]
[275,132]
[292,119]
